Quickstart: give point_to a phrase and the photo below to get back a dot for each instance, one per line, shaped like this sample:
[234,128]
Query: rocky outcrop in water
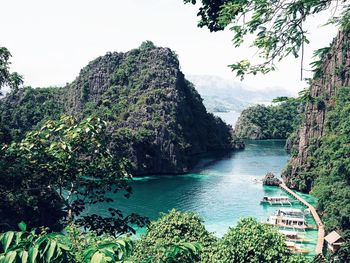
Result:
[271,180]
[332,72]
[156,117]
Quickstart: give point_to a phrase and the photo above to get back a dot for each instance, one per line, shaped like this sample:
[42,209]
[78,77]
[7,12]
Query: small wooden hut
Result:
[334,241]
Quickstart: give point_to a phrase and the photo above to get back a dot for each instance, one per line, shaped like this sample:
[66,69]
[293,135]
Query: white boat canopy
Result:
[288,233]
[290,210]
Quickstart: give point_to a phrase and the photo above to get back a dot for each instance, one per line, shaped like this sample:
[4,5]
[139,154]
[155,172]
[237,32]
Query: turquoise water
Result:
[220,190]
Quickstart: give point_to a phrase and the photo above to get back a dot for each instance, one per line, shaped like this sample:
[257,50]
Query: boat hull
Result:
[276,203]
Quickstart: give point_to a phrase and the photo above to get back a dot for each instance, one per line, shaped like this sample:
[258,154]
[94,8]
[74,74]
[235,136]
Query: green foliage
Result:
[343,21]
[172,253]
[25,246]
[270,122]
[330,164]
[147,45]
[89,247]
[5,136]
[142,90]
[280,99]
[320,55]
[278,27]
[342,255]
[63,167]
[305,96]
[28,108]
[85,91]
[148,98]
[85,247]
[251,241]
[75,246]
[327,169]
[171,235]
[175,237]
[12,80]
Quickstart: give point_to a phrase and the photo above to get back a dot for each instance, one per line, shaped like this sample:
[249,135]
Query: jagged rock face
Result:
[334,73]
[157,119]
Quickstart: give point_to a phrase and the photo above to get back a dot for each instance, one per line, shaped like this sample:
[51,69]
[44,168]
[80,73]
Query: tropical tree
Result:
[54,173]
[175,237]
[12,80]
[278,26]
[147,45]
[74,245]
[5,136]
[342,255]
[251,241]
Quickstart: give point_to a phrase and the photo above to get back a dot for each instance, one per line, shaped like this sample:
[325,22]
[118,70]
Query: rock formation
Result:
[271,179]
[261,122]
[333,72]
[156,117]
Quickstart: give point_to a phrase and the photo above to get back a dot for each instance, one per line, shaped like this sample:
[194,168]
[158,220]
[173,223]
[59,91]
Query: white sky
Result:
[52,40]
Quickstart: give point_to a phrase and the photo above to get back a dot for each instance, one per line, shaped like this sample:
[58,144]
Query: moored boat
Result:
[296,249]
[293,236]
[288,222]
[276,200]
[290,212]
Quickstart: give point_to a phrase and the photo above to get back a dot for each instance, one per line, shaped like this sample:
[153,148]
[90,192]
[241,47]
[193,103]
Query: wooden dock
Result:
[320,226]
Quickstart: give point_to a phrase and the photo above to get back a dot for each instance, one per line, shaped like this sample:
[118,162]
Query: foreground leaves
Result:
[75,246]
[54,173]
[31,247]
[275,28]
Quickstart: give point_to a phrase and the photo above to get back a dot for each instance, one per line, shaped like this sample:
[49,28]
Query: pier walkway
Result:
[320,226]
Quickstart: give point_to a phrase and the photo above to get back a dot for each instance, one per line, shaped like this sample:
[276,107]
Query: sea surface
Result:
[220,190]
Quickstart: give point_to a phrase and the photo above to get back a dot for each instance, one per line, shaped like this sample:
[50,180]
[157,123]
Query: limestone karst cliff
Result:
[332,72]
[155,116]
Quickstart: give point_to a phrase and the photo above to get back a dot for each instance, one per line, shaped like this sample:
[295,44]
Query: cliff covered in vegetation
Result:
[22,110]
[155,116]
[320,151]
[330,74]
[269,122]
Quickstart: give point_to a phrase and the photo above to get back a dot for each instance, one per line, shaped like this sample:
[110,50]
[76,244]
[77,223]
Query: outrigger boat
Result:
[288,222]
[293,236]
[291,212]
[276,200]
[296,249]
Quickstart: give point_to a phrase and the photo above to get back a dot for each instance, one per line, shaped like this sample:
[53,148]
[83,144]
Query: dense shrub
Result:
[74,246]
[24,109]
[251,241]
[269,122]
[172,229]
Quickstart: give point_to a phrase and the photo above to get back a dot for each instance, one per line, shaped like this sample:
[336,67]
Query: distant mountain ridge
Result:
[222,94]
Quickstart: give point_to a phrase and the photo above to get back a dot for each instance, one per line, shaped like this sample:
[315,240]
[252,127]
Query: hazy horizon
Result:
[51,41]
